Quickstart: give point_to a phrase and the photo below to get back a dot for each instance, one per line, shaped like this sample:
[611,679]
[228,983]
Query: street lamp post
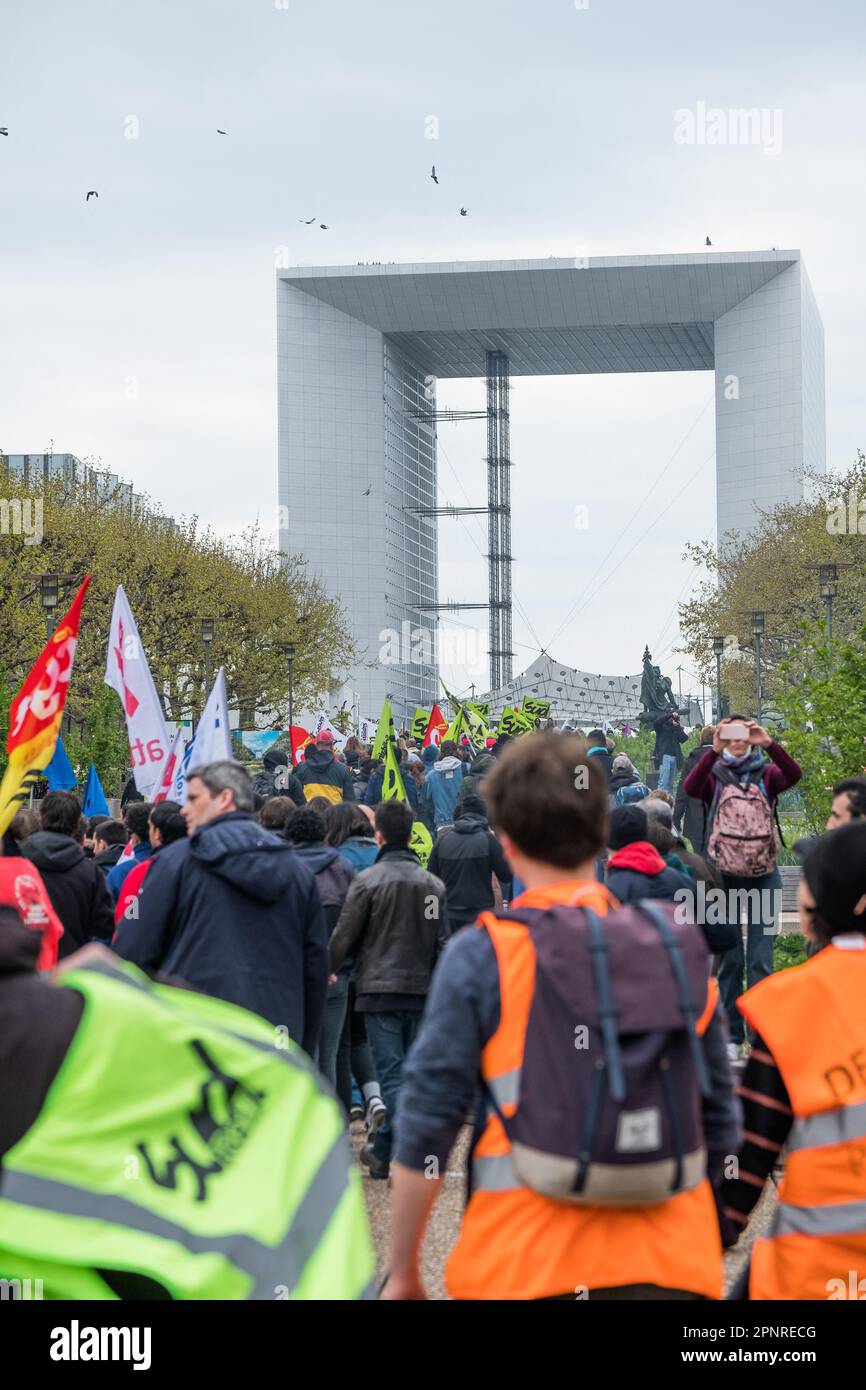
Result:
[718,650]
[757,633]
[49,596]
[207,632]
[828,577]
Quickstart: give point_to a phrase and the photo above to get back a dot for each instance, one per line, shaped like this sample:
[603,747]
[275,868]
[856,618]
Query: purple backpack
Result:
[609,1102]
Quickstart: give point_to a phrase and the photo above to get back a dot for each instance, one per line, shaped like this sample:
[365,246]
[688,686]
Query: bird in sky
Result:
[324,226]
[221,132]
[367,493]
[434,176]
[708,242]
[464,212]
[92,194]
[4,130]
[307,221]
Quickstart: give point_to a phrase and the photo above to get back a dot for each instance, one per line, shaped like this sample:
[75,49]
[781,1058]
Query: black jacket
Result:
[76,886]
[669,736]
[603,757]
[690,813]
[333,874]
[464,857]
[320,769]
[234,913]
[108,857]
[394,922]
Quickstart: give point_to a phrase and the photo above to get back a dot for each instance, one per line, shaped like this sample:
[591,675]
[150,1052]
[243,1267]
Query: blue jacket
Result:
[233,912]
[441,789]
[143,850]
[360,850]
[373,794]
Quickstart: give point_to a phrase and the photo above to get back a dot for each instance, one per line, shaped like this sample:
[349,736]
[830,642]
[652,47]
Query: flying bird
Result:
[92,194]
[324,226]
[221,132]
[434,176]
[367,493]
[307,221]
[708,242]
[464,212]
[4,130]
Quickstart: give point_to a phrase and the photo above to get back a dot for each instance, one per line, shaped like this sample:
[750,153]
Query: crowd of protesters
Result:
[560,878]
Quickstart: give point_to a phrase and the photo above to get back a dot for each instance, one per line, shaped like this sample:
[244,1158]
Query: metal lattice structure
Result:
[499,517]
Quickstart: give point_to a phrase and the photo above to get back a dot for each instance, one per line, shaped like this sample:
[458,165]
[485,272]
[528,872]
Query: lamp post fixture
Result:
[207,632]
[828,577]
[718,651]
[49,595]
[758,621]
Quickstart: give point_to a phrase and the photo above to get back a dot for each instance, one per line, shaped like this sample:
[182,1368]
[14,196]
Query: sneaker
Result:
[378,1168]
[376,1113]
[356,1113]
[735,1053]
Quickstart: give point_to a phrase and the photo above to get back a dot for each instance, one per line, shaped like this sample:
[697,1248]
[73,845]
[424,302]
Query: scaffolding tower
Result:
[498,510]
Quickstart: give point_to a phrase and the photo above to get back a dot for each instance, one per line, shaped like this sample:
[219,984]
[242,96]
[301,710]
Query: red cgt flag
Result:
[436,729]
[36,712]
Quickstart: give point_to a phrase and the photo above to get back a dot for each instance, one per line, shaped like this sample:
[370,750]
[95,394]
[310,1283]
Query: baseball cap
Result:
[325,737]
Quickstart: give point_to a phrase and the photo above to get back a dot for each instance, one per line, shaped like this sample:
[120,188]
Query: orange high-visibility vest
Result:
[813,1020]
[516,1244]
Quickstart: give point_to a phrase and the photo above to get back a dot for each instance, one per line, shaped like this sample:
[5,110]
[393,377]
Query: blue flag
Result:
[95,803]
[60,772]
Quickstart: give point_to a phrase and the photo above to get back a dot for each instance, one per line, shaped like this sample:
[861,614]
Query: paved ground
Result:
[445,1221]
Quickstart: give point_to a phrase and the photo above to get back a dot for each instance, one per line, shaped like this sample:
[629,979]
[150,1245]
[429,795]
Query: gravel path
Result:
[445,1222]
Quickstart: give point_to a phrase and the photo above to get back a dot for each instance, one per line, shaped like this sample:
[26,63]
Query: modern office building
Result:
[360,350]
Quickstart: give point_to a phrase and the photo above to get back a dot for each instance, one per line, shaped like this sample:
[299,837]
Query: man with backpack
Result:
[596,1054]
[740,786]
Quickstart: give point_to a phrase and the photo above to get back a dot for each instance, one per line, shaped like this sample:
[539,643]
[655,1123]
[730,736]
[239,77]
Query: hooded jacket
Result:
[442,787]
[143,850]
[638,871]
[464,857]
[320,774]
[233,912]
[107,858]
[76,886]
[360,851]
[333,875]
[602,756]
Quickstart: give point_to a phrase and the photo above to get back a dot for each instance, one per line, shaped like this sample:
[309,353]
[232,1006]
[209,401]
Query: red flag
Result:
[21,887]
[300,738]
[36,711]
[436,728]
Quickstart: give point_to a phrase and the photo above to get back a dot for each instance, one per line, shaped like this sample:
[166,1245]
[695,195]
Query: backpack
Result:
[635,791]
[742,839]
[609,1101]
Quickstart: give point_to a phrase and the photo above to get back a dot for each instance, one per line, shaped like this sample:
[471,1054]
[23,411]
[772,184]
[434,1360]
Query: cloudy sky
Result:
[138,329]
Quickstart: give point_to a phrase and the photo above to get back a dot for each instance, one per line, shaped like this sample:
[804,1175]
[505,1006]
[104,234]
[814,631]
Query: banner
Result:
[536,709]
[171,769]
[212,742]
[323,725]
[384,732]
[514,722]
[367,731]
[421,841]
[94,803]
[36,712]
[393,788]
[127,672]
[257,741]
[420,720]
[436,728]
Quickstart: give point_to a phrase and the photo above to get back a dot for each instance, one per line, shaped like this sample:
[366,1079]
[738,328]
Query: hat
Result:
[622,763]
[471,805]
[835,870]
[324,736]
[627,824]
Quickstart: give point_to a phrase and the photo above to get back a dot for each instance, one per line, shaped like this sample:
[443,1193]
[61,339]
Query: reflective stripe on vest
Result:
[811,1018]
[302,1233]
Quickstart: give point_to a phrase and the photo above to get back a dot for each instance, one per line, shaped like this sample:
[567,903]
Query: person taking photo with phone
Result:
[739,778]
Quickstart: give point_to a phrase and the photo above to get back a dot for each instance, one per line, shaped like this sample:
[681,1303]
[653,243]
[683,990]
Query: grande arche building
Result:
[361,348]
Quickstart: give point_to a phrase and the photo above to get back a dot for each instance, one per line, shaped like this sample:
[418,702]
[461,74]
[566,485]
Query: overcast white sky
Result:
[139,329]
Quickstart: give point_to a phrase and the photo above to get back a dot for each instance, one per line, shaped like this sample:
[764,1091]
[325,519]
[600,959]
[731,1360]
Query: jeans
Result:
[354,1057]
[391,1036]
[332,1027]
[668,773]
[763,898]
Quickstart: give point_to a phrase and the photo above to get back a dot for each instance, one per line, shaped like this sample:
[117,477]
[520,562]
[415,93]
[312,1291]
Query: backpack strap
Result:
[607,1009]
[778,823]
[689,1010]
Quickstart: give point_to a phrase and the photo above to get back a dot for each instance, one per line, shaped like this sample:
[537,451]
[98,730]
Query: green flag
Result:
[421,842]
[384,731]
[481,707]
[420,720]
[392,783]
[455,728]
[536,709]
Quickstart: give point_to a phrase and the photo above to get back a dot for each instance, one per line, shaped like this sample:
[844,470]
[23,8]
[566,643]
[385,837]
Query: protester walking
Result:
[74,883]
[467,857]
[321,773]
[442,784]
[690,812]
[137,821]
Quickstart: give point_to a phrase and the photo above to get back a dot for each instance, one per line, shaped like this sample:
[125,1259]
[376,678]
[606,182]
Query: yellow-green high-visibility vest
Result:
[184,1141]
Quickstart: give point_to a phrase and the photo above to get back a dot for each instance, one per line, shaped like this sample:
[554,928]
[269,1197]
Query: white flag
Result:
[212,742]
[127,672]
[367,730]
[172,767]
[323,723]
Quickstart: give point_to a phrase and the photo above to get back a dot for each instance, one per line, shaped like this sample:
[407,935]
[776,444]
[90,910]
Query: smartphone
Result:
[734,731]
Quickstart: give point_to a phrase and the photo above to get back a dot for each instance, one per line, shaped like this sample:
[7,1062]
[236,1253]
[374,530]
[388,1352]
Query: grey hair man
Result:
[232,912]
